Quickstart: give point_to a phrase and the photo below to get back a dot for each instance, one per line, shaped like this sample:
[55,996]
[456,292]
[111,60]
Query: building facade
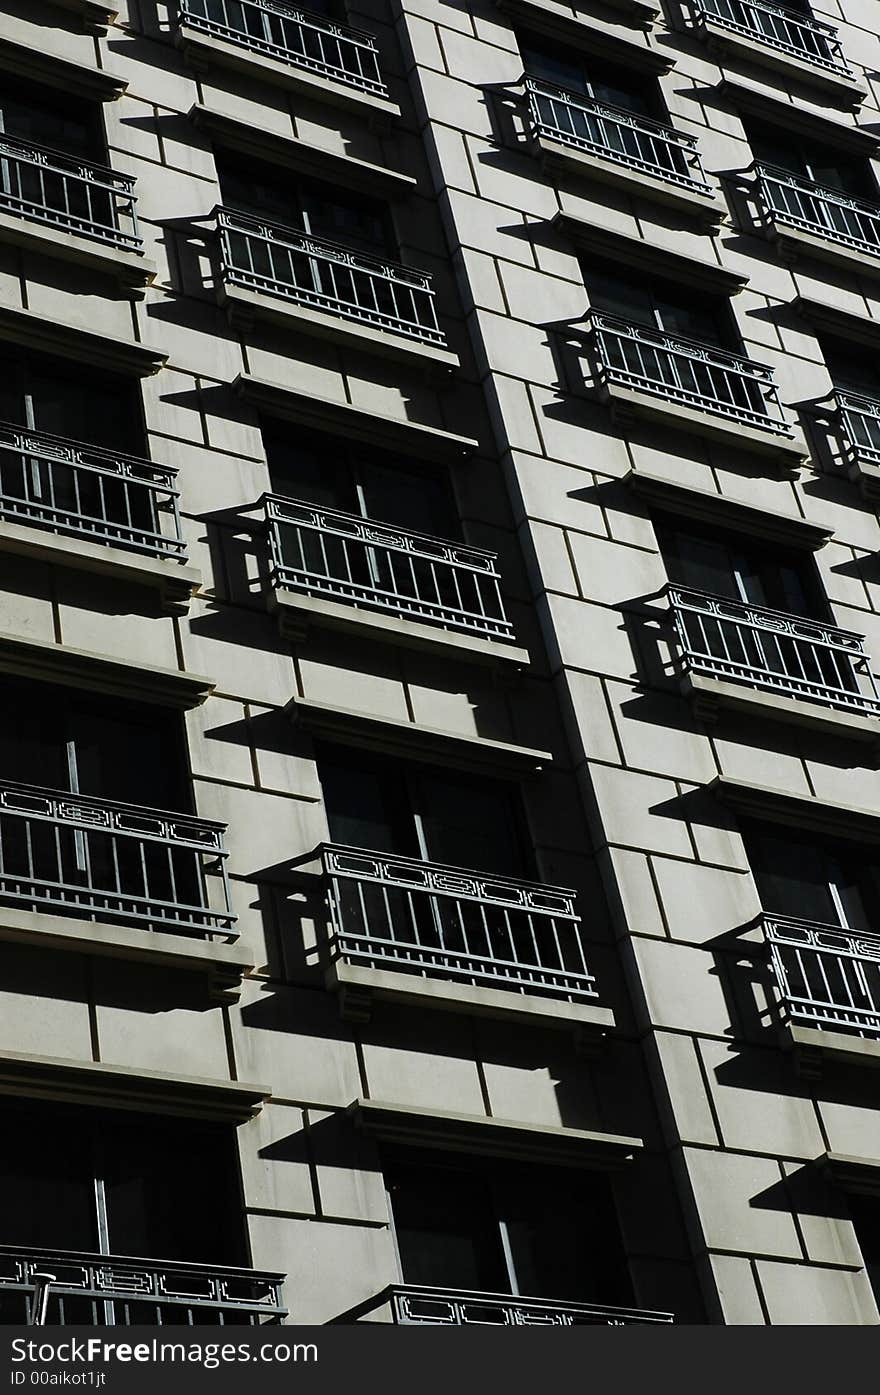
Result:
[439,837]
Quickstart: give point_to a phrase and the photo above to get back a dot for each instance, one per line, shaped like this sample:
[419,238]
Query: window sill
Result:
[794,243]
[709,696]
[358,987]
[841,89]
[223,965]
[206,49]
[629,403]
[175,582]
[244,307]
[298,614]
[557,155]
[130,269]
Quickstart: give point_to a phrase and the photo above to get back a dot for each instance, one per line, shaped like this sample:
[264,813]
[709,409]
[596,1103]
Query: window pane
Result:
[470,825]
[865,1212]
[446,1230]
[791,876]
[47,1195]
[367,807]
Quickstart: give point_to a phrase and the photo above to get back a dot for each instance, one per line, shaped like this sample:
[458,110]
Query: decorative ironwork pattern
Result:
[103,1290]
[686,371]
[342,557]
[787,200]
[91,493]
[449,923]
[71,854]
[763,648]
[622,136]
[860,419]
[828,977]
[452,1308]
[793,32]
[310,271]
[292,35]
[47,186]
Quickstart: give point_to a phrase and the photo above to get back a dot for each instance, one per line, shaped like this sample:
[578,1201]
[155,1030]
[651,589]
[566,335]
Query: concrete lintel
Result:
[50,336]
[782,110]
[244,307]
[588,35]
[638,252]
[362,985]
[396,737]
[175,582]
[36,65]
[707,505]
[493,1137]
[101,673]
[298,613]
[800,810]
[96,15]
[124,1087]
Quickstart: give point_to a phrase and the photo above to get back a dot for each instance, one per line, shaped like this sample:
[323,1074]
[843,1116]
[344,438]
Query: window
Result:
[812,160]
[417,811]
[851,369]
[59,738]
[830,882]
[736,567]
[326,211]
[496,1227]
[590,77]
[42,117]
[659,305]
[865,1214]
[55,395]
[359,480]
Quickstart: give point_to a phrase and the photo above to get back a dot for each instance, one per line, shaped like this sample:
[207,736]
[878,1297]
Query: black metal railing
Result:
[623,137]
[100,495]
[292,35]
[75,855]
[441,922]
[788,200]
[791,31]
[406,1304]
[770,649]
[828,977]
[686,371]
[341,557]
[47,186]
[74,1289]
[860,420]
[310,271]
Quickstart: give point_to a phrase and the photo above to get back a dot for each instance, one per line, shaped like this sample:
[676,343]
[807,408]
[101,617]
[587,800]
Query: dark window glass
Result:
[833,883]
[42,117]
[324,210]
[852,367]
[60,738]
[47,1184]
[818,163]
[56,396]
[733,566]
[416,811]
[505,1228]
[865,1213]
[590,77]
[659,305]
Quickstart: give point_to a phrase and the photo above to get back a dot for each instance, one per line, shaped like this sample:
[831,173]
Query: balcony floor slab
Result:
[132,270]
[557,155]
[709,696]
[794,243]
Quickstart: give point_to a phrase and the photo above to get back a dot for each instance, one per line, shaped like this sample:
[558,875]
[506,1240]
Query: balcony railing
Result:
[633,141]
[688,372]
[408,1304]
[310,271]
[440,922]
[74,855]
[292,35]
[828,978]
[104,497]
[46,186]
[791,31]
[860,419]
[104,1290]
[340,557]
[800,658]
[787,200]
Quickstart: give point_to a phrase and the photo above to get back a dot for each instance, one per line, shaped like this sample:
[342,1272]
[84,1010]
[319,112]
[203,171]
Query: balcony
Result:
[859,422]
[120,864]
[342,564]
[823,222]
[331,290]
[90,1290]
[86,212]
[407,1304]
[789,41]
[726,646]
[456,939]
[646,372]
[650,159]
[828,977]
[291,45]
